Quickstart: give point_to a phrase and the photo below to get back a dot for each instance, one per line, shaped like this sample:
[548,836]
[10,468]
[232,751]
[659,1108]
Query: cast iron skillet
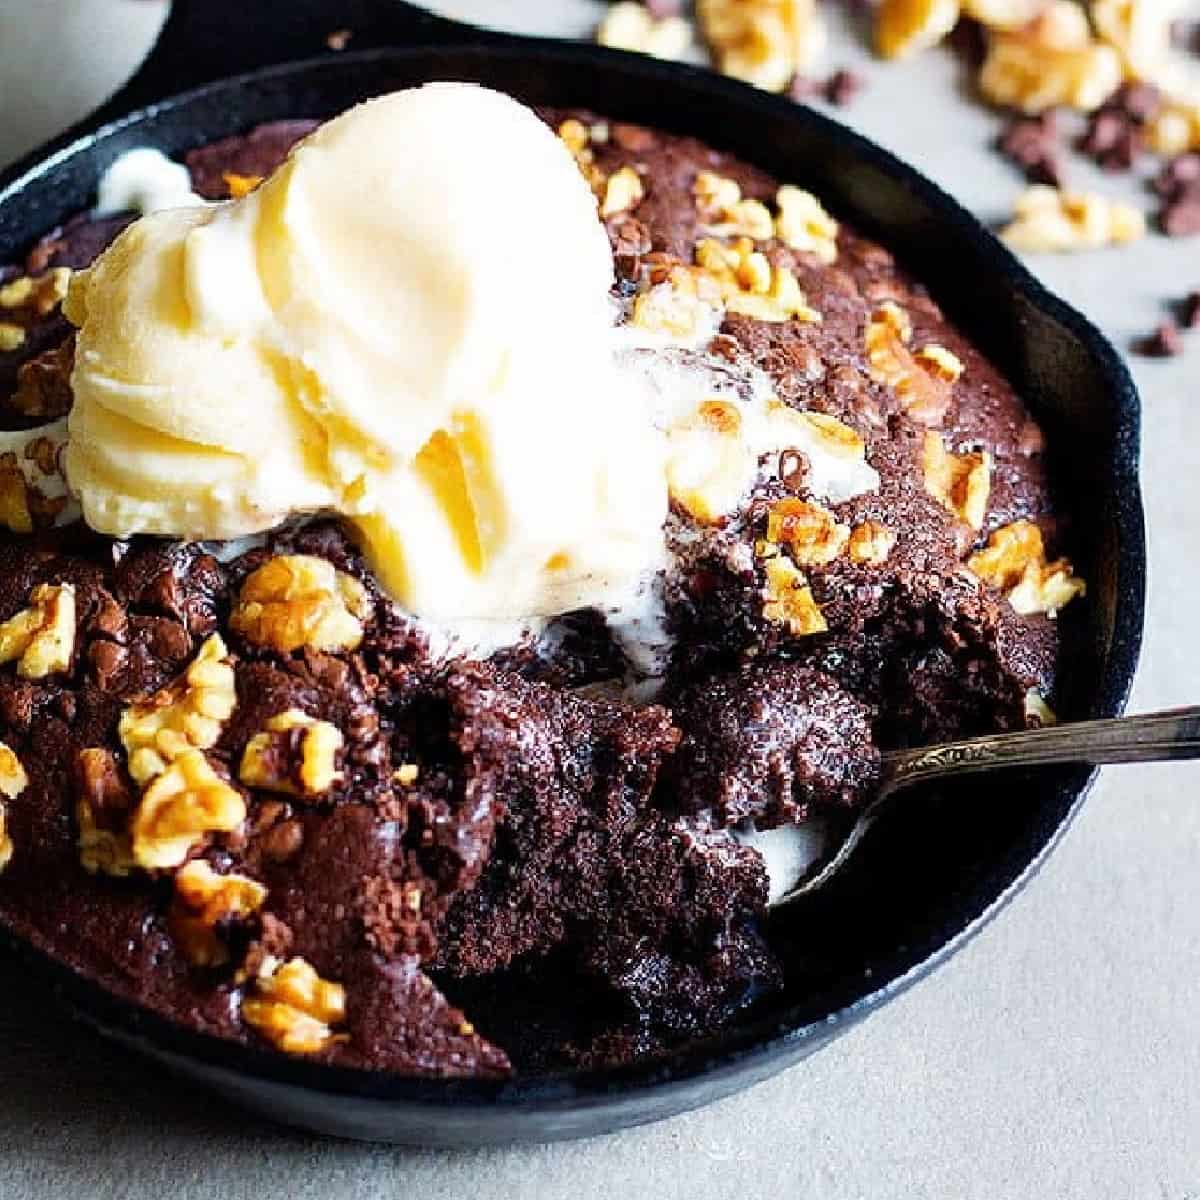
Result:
[927,879]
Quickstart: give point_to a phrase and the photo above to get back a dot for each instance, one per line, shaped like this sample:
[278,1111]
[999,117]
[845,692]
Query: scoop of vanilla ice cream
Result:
[408,323]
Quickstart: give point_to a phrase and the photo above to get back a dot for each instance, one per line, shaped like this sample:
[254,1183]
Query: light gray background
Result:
[1058,1056]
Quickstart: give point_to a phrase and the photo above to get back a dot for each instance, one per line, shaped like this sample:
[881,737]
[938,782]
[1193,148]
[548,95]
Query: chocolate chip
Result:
[1181,217]
[1191,311]
[103,785]
[842,86]
[1164,342]
[283,841]
[634,138]
[1177,174]
[109,619]
[803,88]
[1032,143]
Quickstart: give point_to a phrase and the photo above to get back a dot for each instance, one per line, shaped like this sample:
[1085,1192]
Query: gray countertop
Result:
[1056,1056]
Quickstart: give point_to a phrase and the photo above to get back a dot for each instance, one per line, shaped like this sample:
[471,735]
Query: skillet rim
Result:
[763,1046]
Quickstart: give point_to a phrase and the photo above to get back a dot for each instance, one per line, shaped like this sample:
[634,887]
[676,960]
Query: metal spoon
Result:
[1155,737]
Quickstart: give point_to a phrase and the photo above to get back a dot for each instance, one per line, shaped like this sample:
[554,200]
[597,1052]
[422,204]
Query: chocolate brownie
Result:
[246,791]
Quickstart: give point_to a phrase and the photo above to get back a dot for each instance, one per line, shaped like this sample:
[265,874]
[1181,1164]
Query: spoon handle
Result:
[1154,737]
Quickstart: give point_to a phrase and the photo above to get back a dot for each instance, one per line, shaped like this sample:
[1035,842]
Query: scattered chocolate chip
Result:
[1178,183]
[1164,342]
[969,40]
[339,39]
[1191,311]
[1115,134]
[842,86]
[803,88]
[1032,143]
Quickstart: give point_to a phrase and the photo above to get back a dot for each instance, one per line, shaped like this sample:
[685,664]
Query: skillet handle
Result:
[203,40]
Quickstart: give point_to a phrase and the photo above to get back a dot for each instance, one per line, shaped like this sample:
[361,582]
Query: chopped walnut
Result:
[710,465]
[1049,62]
[42,637]
[1049,220]
[203,905]
[294,1008]
[13,781]
[1003,14]
[944,363]
[12,337]
[1140,30]
[631,26]
[181,807]
[187,715]
[298,600]
[763,42]
[104,803]
[961,482]
[922,381]
[750,285]
[684,305]
[577,138]
[803,224]
[406,774]
[904,27]
[789,600]
[726,213]
[871,543]
[40,295]
[15,513]
[296,754]
[623,190]
[1014,562]
[811,533]
[240,185]
[1175,129]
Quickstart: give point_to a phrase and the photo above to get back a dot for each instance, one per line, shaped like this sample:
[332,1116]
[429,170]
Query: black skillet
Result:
[928,878]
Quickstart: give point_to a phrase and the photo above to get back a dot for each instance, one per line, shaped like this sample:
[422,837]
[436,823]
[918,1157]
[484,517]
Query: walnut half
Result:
[960,482]
[298,600]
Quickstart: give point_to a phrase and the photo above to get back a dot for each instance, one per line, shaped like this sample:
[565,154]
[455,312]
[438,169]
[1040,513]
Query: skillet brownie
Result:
[244,790]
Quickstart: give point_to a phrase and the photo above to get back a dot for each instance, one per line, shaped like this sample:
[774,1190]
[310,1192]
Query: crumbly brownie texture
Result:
[383,838]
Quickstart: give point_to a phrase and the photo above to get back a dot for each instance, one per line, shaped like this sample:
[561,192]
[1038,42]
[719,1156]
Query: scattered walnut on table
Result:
[763,42]
[631,26]
[1050,220]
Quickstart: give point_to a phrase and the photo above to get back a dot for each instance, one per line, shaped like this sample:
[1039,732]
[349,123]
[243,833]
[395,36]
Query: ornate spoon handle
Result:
[1154,737]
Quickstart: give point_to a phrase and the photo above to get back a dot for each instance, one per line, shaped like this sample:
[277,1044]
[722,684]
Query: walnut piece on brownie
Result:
[960,482]
[1014,562]
[294,1008]
[105,799]
[296,601]
[295,754]
[188,715]
[788,599]
[13,781]
[922,381]
[41,638]
[812,534]
[181,807]
[204,905]
[871,543]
